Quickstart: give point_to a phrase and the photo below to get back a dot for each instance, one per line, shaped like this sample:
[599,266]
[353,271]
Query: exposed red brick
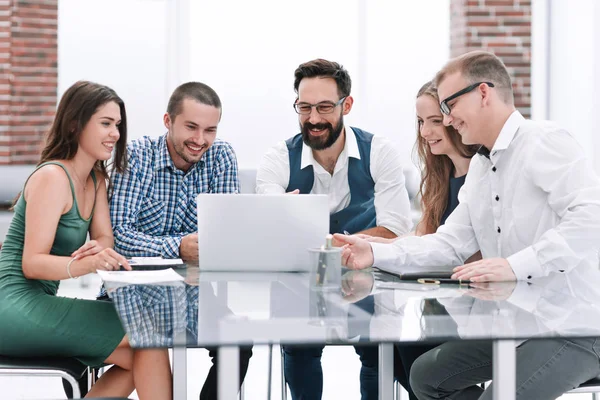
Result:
[500,2]
[509,37]
[28,77]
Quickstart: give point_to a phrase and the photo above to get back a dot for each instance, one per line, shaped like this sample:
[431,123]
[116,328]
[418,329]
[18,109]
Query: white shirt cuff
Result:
[384,255]
[525,264]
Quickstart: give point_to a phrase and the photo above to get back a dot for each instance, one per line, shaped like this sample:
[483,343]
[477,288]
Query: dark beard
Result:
[321,142]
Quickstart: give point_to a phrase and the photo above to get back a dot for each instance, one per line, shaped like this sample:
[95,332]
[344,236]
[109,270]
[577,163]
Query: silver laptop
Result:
[251,232]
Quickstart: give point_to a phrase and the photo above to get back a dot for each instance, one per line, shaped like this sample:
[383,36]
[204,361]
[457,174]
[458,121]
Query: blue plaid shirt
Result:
[153,205]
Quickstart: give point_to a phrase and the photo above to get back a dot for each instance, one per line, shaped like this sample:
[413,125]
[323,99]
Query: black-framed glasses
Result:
[445,108]
[324,107]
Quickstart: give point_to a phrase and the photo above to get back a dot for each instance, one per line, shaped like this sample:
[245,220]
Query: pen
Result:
[437,281]
[322,266]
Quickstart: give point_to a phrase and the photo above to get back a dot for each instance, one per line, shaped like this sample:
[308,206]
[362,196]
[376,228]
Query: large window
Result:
[248,51]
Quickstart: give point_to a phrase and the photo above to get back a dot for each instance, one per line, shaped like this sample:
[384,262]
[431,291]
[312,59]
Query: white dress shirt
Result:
[391,198]
[535,202]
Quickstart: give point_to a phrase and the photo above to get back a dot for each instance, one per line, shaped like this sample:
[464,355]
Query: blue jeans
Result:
[302,365]
[304,374]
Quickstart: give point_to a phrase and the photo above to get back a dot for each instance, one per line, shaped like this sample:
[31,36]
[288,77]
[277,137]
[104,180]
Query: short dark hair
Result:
[197,91]
[325,69]
[480,66]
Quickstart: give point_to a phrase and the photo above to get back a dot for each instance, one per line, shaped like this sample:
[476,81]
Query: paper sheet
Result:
[154,261]
[141,277]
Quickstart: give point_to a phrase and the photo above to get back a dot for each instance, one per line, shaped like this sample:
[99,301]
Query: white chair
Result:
[591,386]
[247,177]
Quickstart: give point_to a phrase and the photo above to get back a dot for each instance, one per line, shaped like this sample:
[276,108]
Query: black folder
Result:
[412,275]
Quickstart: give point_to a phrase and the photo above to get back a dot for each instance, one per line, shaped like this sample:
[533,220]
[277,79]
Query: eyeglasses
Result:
[324,107]
[445,108]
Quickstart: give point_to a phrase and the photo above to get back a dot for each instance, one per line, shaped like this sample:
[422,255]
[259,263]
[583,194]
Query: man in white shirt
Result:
[362,175]
[530,203]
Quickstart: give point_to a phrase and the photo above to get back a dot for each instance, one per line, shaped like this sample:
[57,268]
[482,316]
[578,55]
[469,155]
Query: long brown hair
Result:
[74,111]
[435,171]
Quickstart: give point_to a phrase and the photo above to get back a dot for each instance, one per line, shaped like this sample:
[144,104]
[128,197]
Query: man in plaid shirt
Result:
[153,205]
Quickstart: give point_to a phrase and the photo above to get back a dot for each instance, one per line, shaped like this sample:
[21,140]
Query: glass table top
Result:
[242,308]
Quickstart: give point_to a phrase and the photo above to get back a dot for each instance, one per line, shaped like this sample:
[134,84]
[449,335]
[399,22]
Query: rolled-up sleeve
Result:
[273,175]
[391,197]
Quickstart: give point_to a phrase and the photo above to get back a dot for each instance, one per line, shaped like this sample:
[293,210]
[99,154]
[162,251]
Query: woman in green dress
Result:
[63,200]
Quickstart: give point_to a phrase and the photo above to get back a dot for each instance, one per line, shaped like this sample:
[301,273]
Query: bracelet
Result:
[69,268]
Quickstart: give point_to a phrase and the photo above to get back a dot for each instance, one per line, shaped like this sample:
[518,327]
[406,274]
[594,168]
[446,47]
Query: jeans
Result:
[304,374]
[302,365]
[546,369]
[405,355]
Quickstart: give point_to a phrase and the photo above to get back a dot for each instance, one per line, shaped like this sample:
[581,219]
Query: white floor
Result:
[340,366]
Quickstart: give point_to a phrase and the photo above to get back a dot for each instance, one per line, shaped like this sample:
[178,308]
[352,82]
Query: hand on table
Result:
[106,260]
[486,270]
[88,249]
[188,249]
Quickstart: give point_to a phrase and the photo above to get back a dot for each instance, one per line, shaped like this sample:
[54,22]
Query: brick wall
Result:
[502,27]
[28,77]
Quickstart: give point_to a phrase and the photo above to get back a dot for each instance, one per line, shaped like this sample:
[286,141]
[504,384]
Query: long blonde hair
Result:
[435,171]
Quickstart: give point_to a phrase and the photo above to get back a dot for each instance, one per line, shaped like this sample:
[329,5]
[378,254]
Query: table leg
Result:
[179,373]
[505,370]
[228,372]
[386,371]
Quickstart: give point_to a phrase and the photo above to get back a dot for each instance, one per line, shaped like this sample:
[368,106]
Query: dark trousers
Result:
[404,357]
[209,390]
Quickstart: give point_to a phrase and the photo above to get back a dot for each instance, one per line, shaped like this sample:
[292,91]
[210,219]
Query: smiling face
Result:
[466,114]
[191,133]
[431,127]
[321,131]
[100,135]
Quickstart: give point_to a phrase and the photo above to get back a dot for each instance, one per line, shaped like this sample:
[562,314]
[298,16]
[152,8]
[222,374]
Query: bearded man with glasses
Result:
[362,175]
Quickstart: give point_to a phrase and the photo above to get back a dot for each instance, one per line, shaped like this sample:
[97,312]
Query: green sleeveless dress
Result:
[33,320]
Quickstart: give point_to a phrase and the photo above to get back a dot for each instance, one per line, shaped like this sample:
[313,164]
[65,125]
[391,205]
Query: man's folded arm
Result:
[559,168]
[392,204]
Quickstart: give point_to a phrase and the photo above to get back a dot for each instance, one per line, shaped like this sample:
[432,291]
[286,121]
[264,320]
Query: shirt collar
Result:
[507,134]
[162,158]
[483,151]
[350,149]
